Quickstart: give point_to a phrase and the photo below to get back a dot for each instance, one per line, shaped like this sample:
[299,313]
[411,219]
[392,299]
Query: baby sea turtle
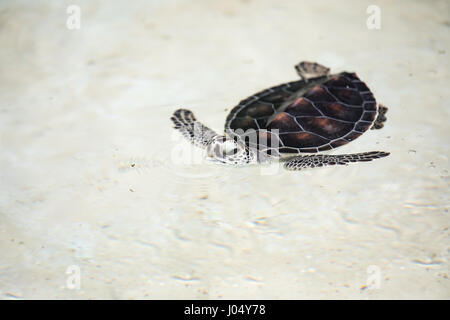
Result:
[317,113]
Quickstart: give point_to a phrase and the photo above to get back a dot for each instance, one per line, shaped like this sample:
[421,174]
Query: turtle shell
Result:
[320,114]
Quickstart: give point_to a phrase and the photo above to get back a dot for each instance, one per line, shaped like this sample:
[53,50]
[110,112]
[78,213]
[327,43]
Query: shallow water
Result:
[92,175]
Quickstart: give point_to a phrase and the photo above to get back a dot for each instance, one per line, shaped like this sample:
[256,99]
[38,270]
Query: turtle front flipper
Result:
[321,160]
[307,70]
[185,122]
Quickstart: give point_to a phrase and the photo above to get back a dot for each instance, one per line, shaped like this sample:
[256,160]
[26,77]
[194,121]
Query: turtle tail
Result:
[312,161]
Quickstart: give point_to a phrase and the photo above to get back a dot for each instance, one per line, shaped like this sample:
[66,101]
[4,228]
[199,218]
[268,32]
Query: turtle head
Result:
[229,151]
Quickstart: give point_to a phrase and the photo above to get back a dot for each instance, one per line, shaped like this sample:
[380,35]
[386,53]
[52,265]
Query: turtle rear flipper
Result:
[321,160]
[381,118]
[307,70]
[185,122]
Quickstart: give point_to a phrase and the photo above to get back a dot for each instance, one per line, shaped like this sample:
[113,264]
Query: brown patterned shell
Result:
[318,115]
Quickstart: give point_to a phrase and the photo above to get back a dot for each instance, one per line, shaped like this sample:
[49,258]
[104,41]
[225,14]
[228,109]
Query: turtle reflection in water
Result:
[317,113]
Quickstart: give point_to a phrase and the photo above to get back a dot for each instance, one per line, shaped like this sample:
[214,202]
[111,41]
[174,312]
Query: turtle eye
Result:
[229,152]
